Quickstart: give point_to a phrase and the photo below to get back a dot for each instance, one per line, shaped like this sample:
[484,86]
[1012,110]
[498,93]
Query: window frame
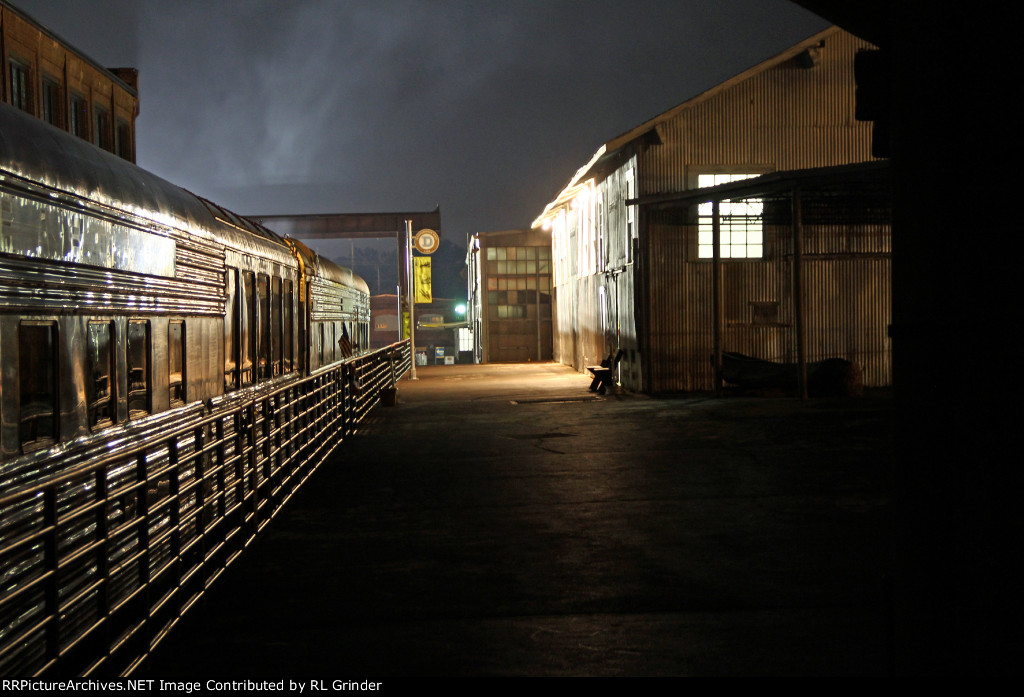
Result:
[124,143]
[102,128]
[232,330]
[288,326]
[78,115]
[133,390]
[182,354]
[263,331]
[518,282]
[249,329]
[729,217]
[53,378]
[52,101]
[92,401]
[19,77]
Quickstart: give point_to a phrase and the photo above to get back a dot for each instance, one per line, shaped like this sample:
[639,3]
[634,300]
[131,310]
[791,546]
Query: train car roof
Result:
[325,268]
[34,151]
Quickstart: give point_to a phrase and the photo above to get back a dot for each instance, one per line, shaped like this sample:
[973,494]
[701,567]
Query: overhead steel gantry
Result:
[349,225]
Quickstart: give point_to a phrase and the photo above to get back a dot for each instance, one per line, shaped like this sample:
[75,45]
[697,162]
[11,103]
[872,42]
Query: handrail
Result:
[99,561]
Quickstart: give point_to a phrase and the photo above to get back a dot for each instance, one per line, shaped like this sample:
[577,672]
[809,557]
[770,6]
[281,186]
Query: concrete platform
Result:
[502,521]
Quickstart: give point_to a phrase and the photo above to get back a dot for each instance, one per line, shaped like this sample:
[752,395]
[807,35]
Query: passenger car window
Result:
[248,331]
[37,376]
[288,326]
[139,379]
[231,339]
[275,325]
[263,353]
[320,345]
[328,342]
[100,382]
[176,361]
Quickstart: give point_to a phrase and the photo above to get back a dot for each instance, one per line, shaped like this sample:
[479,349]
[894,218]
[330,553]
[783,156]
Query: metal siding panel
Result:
[784,117]
[847,304]
[848,314]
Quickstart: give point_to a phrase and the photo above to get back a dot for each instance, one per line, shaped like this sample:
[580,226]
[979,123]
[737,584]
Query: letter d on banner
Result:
[422,276]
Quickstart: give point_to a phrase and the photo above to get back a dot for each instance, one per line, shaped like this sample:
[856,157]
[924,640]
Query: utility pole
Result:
[410,281]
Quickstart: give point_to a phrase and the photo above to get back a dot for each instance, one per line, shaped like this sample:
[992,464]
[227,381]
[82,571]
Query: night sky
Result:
[485,108]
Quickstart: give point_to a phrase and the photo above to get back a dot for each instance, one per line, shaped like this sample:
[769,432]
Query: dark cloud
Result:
[485,108]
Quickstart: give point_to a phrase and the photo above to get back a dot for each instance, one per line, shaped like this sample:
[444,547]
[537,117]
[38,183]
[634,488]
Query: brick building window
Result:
[21,86]
[101,133]
[78,116]
[125,143]
[53,112]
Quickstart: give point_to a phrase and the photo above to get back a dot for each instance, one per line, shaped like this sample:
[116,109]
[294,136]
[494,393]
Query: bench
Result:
[604,374]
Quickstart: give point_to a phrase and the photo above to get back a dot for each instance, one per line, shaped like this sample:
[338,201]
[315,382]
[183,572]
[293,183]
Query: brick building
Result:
[50,79]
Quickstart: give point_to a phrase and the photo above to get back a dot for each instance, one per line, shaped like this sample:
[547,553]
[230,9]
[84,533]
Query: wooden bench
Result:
[604,374]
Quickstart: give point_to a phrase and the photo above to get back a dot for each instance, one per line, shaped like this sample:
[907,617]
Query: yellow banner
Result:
[421,288]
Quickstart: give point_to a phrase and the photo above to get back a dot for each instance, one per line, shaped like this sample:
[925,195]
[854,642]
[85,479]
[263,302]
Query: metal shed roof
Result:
[650,128]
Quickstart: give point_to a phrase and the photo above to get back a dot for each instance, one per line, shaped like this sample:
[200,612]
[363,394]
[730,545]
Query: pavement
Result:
[501,520]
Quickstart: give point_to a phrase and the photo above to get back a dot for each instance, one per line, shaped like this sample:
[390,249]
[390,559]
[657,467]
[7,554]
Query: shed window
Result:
[139,378]
[740,223]
[100,383]
[37,377]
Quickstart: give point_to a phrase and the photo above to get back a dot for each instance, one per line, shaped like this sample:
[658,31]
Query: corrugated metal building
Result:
[634,263]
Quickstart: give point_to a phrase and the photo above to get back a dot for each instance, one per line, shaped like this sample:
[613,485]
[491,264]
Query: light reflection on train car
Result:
[168,365]
[115,307]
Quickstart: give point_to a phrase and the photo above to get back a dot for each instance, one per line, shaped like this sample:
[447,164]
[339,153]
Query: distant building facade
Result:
[48,78]
[634,272]
[510,298]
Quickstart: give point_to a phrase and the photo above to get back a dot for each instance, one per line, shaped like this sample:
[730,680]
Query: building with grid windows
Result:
[510,296]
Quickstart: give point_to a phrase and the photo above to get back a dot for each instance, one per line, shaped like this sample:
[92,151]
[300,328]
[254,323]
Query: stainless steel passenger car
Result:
[124,297]
[171,374]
